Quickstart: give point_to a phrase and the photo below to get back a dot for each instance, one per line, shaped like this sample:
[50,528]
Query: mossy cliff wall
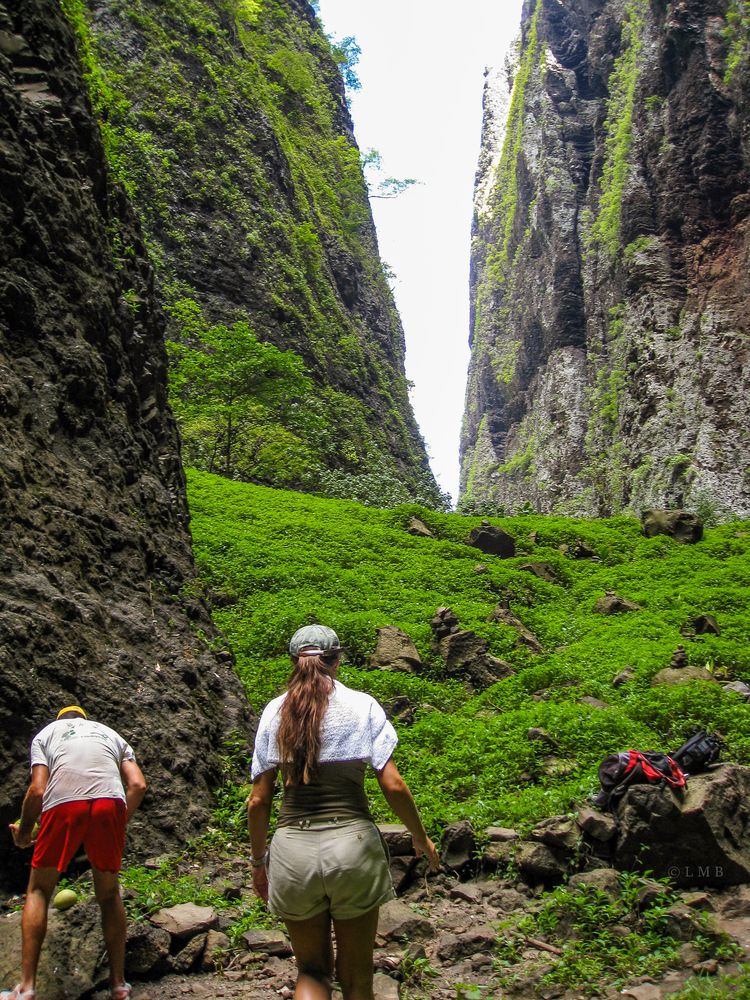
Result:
[226,121]
[98,598]
[610,282]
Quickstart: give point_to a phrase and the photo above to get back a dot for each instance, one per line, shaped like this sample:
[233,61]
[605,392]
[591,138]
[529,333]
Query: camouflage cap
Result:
[315,640]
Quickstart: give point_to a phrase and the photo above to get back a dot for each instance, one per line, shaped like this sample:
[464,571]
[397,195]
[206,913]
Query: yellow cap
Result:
[72,708]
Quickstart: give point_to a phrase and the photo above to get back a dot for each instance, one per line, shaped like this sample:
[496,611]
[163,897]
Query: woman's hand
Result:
[260,882]
[424,847]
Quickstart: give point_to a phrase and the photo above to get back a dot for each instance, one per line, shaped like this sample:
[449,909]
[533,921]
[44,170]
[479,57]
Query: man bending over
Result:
[85,785]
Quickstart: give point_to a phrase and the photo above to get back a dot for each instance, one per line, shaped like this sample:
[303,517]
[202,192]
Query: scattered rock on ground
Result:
[613,604]
[419,528]
[458,846]
[185,920]
[542,571]
[73,958]
[679,524]
[395,651]
[526,637]
[467,657]
[492,541]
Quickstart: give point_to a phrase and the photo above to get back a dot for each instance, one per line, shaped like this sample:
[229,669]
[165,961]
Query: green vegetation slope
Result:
[273,560]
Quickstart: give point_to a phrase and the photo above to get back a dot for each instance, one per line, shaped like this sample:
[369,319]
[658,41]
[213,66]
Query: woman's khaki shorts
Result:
[338,866]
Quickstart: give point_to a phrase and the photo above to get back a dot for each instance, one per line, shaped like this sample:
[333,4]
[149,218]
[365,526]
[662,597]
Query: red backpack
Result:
[635,767]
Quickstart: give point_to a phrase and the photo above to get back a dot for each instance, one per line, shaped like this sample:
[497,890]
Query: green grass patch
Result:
[276,560]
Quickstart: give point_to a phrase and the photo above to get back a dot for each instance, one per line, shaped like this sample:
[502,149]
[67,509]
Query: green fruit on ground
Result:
[64,899]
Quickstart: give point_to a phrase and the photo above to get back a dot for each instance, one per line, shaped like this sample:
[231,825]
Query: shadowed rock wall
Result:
[609,283]
[98,600]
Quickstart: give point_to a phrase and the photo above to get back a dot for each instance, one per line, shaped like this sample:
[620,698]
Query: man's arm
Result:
[32,806]
[134,784]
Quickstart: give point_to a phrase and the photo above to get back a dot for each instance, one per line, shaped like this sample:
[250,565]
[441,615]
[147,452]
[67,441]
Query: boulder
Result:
[394,650]
[479,940]
[613,604]
[467,658]
[189,957]
[624,677]
[597,825]
[526,637]
[443,623]
[397,839]
[738,687]
[458,846]
[593,702]
[73,960]
[418,528]
[540,863]
[403,871]
[498,854]
[385,988]
[578,550]
[146,950]
[466,892]
[681,675]
[557,831]
[604,879]
[397,920]
[400,709]
[679,524]
[702,838]
[492,541]
[267,942]
[185,920]
[705,625]
[537,735]
[215,952]
[542,571]
[500,834]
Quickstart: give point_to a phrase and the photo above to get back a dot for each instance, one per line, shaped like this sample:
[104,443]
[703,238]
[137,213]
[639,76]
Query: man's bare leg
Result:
[42,882]
[114,922]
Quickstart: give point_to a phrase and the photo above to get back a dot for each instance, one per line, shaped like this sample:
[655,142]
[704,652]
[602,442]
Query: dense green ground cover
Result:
[276,560]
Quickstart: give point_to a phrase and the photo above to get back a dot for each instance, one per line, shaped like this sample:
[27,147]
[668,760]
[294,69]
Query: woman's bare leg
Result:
[355,940]
[313,951]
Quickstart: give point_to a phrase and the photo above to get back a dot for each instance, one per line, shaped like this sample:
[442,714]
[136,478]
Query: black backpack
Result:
[697,753]
[635,767]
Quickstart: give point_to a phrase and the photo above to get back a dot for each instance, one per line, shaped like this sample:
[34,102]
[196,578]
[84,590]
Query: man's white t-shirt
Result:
[84,760]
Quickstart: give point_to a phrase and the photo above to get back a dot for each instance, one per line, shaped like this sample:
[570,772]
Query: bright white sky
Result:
[420,106]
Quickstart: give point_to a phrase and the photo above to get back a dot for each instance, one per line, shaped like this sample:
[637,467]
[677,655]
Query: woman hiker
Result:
[328,864]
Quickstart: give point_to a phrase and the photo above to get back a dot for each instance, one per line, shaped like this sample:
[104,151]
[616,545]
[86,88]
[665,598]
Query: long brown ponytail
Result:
[301,717]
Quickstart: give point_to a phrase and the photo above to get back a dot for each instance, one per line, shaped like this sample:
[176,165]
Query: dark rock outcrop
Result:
[702,838]
[681,525]
[395,651]
[492,541]
[98,598]
[609,278]
[467,657]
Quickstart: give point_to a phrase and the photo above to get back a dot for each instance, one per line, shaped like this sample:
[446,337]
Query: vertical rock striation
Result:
[98,602]
[610,283]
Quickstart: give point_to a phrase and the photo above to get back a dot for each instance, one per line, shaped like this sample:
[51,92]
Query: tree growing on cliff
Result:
[243,406]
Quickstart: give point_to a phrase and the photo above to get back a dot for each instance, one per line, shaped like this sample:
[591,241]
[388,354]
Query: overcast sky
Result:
[420,106]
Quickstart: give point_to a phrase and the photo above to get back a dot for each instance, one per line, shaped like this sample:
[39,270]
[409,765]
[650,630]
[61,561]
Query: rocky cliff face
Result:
[610,286]
[226,120]
[98,599]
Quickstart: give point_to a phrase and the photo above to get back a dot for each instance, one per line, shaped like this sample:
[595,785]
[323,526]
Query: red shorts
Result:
[97,824]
